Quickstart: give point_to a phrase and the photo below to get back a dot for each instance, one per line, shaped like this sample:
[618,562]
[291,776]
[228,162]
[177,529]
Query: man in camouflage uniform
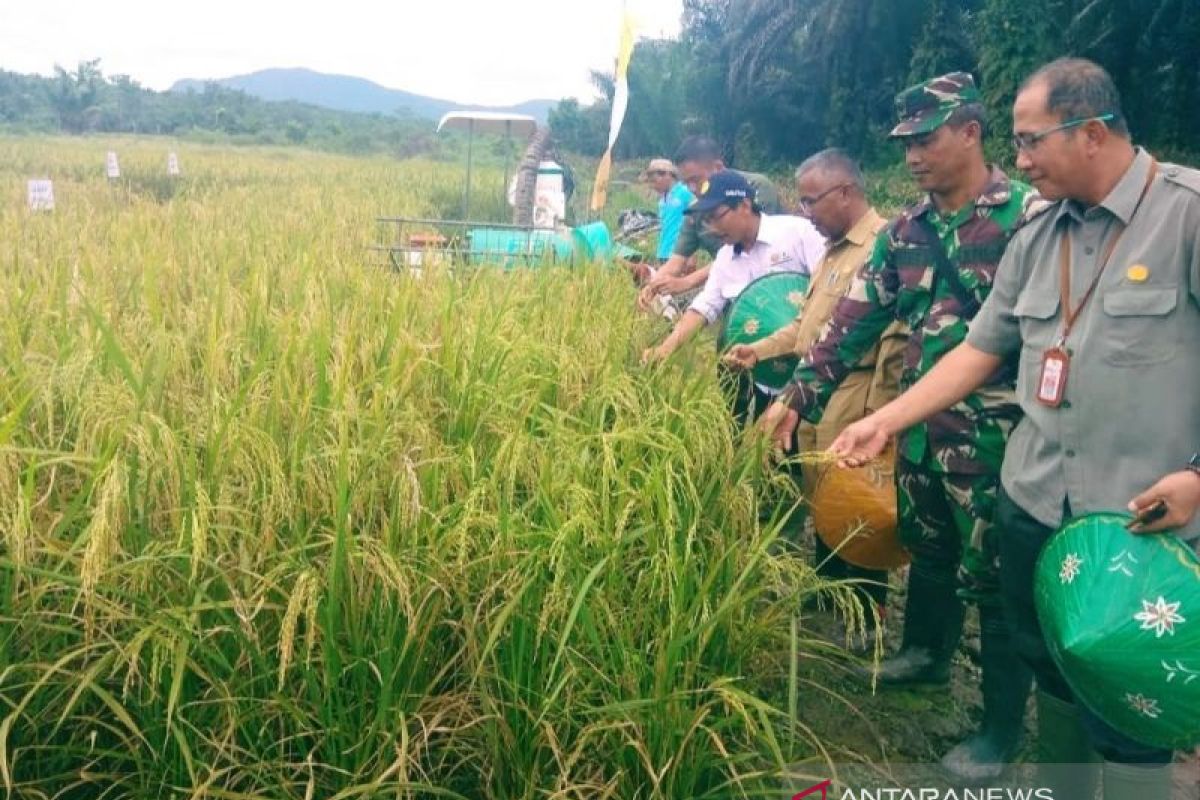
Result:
[932,267]
[1118,427]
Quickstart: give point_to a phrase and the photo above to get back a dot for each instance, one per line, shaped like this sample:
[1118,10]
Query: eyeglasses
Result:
[716,215]
[806,203]
[1030,141]
[657,173]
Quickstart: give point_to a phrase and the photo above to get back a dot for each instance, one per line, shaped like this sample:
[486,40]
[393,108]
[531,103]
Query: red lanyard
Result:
[1056,362]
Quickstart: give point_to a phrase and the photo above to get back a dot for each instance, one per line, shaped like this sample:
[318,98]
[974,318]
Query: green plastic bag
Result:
[1121,616]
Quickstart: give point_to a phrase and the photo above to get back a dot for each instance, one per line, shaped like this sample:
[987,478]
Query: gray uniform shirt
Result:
[1132,403]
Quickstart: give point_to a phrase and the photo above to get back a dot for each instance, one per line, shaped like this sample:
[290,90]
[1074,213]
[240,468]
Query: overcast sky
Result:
[492,52]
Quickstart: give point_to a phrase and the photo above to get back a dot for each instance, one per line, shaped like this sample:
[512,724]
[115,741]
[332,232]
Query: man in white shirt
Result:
[754,244]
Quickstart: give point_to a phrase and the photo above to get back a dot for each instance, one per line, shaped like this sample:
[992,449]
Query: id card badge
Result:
[1052,383]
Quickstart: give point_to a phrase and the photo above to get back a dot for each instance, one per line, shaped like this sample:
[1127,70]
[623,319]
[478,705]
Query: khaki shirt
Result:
[1132,403]
[876,379]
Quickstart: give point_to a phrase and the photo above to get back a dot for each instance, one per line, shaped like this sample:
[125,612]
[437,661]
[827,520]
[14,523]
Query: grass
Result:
[280,524]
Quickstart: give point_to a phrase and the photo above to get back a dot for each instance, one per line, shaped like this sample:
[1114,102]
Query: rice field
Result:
[279,523]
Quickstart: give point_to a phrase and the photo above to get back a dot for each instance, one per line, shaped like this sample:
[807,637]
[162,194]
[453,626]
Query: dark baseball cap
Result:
[724,188]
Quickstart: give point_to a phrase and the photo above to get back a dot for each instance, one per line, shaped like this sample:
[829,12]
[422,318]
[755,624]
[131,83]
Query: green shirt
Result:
[692,237]
[1132,410]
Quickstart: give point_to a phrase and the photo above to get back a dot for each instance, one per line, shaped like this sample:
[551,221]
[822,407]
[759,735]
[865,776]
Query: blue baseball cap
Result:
[724,188]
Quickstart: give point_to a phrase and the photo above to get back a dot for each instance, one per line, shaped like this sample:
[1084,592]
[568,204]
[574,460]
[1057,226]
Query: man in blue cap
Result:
[753,244]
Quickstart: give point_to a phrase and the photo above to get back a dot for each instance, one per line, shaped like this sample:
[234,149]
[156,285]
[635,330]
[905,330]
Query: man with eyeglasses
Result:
[1099,301]
[833,196]
[754,244]
[697,159]
[932,268]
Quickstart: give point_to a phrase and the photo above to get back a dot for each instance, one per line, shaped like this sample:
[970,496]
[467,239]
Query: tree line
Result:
[775,80]
[85,100]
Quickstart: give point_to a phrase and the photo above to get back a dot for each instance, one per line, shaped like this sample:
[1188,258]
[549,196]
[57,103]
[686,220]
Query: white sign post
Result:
[173,165]
[41,194]
[111,165]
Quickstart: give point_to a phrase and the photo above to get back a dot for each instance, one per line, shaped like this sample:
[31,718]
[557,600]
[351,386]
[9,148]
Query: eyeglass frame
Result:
[710,217]
[805,204]
[1028,142]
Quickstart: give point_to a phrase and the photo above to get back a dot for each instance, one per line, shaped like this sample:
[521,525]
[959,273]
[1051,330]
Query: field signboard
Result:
[173,164]
[41,194]
[111,165]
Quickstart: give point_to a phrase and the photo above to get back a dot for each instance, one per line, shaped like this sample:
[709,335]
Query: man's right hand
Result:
[779,424]
[740,356]
[860,442]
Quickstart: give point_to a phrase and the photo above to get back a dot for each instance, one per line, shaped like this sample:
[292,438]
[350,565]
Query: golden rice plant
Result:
[281,523]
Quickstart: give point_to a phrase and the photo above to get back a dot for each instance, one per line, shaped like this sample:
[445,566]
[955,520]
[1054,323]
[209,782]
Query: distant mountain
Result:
[347,93]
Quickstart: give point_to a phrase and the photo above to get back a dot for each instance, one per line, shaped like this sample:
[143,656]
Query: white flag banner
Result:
[111,166]
[619,105]
[41,194]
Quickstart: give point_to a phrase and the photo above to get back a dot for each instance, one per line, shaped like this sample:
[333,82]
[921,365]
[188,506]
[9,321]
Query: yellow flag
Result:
[619,104]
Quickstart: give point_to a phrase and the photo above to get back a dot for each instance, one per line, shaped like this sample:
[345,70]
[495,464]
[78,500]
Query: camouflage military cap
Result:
[926,107]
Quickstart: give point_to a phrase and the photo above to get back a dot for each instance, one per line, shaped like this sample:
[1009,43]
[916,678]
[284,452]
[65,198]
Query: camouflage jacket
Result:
[900,281]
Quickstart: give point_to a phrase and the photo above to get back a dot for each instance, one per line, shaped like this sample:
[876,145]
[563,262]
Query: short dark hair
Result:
[697,148]
[968,113]
[1077,88]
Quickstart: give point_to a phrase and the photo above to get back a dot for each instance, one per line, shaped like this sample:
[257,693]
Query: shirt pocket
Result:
[834,285]
[1037,316]
[1136,329]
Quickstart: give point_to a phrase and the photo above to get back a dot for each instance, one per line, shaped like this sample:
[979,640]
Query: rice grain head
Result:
[103,534]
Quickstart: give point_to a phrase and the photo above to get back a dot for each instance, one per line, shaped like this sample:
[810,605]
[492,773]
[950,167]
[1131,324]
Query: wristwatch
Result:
[1194,463]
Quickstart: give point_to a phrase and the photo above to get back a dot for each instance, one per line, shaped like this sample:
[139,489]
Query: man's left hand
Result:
[671,285]
[1180,491]
[653,355]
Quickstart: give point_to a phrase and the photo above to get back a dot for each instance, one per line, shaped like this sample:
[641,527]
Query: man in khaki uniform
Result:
[832,195]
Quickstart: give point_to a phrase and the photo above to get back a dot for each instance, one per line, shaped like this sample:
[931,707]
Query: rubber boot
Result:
[933,617]
[1137,781]
[1067,764]
[984,755]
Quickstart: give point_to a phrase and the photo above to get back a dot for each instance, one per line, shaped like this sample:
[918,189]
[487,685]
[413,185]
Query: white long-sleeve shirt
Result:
[784,244]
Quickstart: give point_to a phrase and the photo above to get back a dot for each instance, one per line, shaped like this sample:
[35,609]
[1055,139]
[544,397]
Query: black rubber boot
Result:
[933,616]
[1137,781]
[1067,764]
[984,755]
